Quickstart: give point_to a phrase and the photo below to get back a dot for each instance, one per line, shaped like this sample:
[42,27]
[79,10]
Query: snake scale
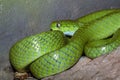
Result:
[49,53]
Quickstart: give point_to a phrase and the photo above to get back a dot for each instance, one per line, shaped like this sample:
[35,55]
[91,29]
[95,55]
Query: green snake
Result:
[50,52]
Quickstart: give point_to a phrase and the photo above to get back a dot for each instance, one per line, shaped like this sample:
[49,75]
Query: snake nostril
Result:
[51,30]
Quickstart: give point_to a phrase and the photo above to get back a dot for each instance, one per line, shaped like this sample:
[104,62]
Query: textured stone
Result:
[106,67]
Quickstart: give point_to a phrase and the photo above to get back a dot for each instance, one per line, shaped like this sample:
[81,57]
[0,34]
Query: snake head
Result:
[68,27]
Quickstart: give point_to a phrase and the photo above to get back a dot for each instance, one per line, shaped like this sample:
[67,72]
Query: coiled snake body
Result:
[48,53]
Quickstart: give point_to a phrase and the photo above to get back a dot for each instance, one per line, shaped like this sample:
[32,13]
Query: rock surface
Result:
[106,67]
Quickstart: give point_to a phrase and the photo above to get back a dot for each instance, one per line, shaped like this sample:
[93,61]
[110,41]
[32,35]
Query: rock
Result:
[6,71]
[106,67]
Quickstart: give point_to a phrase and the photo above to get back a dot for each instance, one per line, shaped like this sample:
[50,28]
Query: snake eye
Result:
[58,25]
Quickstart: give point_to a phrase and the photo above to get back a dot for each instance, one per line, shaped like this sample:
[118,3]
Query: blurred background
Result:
[21,18]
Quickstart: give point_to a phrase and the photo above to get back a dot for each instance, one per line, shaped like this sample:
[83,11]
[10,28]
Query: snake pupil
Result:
[58,25]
